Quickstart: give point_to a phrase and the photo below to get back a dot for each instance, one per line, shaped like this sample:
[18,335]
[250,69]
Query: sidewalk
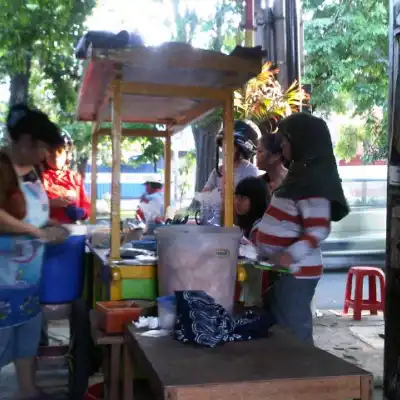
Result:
[357,342]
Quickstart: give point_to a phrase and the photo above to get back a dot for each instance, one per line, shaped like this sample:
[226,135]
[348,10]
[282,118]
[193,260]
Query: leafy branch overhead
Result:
[43,32]
[346,58]
[263,99]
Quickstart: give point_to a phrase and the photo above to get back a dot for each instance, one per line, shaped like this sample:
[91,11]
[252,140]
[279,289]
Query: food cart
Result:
[172,85]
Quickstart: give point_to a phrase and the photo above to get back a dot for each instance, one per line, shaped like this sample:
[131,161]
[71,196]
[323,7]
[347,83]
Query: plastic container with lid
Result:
[192,257]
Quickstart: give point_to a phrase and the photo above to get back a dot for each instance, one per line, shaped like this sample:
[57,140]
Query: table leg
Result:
[366,388]
[106,371]
[114,374]
[128,374]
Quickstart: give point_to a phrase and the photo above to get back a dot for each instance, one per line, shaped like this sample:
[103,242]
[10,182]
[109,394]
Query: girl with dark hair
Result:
[24,213]
[298,219]
[250,205]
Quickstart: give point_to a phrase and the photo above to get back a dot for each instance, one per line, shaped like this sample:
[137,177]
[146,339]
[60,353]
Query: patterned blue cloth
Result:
[200,320]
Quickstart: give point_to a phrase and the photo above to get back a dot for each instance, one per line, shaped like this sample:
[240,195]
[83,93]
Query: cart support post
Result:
[116,170]
[93,176]
[167,170]
[228,160]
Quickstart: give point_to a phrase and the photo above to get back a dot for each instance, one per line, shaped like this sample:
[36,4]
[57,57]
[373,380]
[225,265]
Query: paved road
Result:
[331,289]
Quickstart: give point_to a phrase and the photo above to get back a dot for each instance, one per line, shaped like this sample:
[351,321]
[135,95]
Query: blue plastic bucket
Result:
[63,271]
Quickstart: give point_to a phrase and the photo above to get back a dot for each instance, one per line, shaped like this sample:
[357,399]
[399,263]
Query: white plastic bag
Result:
[248,250]
[210,207]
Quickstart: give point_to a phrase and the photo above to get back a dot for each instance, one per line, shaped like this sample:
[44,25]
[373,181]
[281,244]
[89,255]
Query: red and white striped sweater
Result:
[298,228]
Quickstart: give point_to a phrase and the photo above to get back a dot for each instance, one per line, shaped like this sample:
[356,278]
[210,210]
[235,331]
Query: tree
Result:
[346,47]
[350,136]
[41,34]
[38,58]
[222,28]
[261,99]
[150,149]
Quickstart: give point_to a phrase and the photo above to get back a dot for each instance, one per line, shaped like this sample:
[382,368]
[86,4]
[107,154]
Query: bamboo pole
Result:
[167,170]
[116,171]
[93,176]
[228,160]
[249,24]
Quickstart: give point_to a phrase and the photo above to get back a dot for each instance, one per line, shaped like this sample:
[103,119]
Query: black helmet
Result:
[245,137]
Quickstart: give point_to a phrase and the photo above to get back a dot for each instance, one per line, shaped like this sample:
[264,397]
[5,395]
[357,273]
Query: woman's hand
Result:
[60,202]
[37,233]
[283,260]
[55,233]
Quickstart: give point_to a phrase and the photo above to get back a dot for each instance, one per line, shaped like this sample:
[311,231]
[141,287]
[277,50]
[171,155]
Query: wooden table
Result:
[113,346]
[275,368]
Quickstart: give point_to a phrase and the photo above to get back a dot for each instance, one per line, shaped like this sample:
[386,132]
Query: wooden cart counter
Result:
[276,368]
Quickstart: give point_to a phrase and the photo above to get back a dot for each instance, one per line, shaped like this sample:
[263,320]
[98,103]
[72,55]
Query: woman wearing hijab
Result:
[298,219]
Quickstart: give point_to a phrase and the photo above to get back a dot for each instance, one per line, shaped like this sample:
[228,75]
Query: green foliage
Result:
[43,32]
[262,98]
[152,149]
[346,54]
[376,138]
[350,136]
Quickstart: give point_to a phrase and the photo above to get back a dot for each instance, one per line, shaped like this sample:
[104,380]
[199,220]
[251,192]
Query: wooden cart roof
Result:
[174,83]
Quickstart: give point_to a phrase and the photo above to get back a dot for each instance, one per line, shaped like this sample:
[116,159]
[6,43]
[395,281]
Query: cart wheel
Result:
[79,362]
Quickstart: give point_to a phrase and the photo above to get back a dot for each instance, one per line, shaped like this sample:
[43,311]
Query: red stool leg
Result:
[358,297]
[372,282]
[349,288]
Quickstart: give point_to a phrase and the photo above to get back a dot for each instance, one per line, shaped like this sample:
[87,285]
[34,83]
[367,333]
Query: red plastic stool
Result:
[95,392]
[359,304]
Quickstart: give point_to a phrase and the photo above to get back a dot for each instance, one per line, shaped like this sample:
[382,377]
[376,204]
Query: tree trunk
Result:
[19,84]
[204,139]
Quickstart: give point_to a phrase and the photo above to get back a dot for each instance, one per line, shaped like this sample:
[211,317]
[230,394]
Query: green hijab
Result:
[313,170]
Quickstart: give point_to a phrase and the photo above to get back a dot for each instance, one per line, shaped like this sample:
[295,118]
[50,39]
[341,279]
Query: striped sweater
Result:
[298,228]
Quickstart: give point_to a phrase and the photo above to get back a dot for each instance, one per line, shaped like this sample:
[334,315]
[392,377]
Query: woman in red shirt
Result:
[69,202]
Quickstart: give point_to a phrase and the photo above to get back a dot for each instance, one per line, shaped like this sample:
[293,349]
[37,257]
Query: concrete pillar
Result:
[392,311]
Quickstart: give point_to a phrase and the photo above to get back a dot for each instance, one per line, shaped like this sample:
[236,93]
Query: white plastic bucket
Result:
[192,257]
